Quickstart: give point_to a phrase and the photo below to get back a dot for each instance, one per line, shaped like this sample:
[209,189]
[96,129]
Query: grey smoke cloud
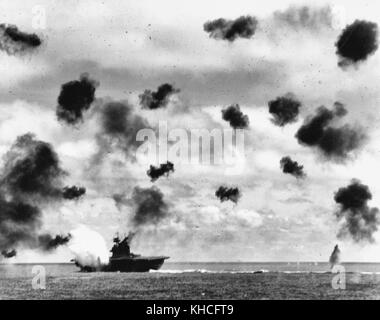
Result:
[235,117]
[226,193]
[31,176]
[75,98]
[119,125]
[284,109]
[14,41]
[357,42]
[159,98]
[32,169]
[360,221]
[150,207]
[321,131]
[291,167]
[162,170]
[230,30]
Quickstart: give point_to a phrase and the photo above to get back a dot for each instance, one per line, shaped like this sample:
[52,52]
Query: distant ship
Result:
[124,260]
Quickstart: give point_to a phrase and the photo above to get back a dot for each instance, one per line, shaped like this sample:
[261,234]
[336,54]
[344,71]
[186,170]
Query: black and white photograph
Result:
[189,150]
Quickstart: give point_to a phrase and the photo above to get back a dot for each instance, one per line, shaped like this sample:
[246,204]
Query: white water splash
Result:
[88,247]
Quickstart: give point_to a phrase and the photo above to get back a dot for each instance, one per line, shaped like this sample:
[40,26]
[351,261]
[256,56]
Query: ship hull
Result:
[135,264]
[140,264]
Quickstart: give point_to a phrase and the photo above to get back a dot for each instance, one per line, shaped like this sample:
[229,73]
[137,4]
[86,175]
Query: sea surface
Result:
[306,280]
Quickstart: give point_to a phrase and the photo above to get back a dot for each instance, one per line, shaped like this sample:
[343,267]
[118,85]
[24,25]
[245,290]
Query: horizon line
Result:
[209,262]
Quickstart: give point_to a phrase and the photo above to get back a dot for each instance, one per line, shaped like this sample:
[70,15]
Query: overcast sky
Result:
[130,46]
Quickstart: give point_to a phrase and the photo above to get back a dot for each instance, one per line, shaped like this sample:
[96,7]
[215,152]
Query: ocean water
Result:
[195,281]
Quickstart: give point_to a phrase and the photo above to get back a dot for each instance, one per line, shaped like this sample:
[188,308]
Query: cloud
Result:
[157,99]
[235,117]
[334,142]
[242,27]
[75,98]
[360,221]
[292,167]
[357,42]
[13,41]
[284,109]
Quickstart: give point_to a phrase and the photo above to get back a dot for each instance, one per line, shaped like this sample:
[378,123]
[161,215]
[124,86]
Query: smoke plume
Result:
[120,125]
[19,223]
[157,99]
[222,29]
[19,226]
[235,117]
[13,41]
[75,98]
[357,42]
[284,109]
[335,142]
[73,192]
[31,174]
[335,256]
[164,169]
[32,168]
[289,166]
[150,206]
[359,220]
[225,194]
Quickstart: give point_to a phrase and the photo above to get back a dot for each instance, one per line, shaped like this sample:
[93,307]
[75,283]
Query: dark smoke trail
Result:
[9,254]
[73,192]
[335,256]
[47,243]
[13,41]
[292,167]
[225,194]
[164,169]
[284,109]
[75,98]
[357,42]
[235,117]
[242,27]
[334,142]
[157,99]
[32,168]
[150,206]
[360,221]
